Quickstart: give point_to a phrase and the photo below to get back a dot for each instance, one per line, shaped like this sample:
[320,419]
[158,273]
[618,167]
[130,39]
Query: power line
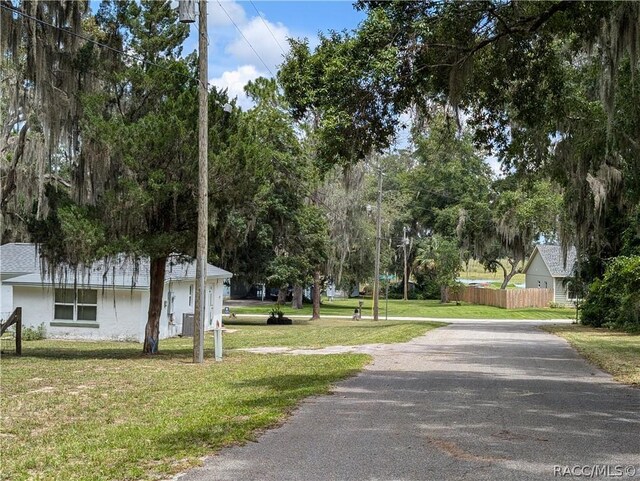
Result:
[246,40]
[92,41]
[267,25]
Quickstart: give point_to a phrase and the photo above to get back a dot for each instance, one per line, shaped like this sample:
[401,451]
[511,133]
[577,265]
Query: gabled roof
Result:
[553,258]
[120,271]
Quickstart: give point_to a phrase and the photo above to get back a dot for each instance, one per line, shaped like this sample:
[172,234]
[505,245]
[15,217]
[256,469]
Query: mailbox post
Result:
[217,339]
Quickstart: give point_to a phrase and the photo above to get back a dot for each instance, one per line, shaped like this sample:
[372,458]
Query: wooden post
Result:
[19,332]
[203,188]
[14,318]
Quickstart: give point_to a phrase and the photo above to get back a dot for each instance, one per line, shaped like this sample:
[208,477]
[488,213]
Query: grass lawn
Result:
[617,353]
[103,411]
[322,333]
[430,308]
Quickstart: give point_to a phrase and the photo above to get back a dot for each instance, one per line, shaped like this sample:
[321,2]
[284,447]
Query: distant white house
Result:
[105,301]
[546,269]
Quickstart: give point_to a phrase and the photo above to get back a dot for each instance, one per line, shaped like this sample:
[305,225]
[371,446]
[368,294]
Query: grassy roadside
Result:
[429,308]
[617,353]
[103,411]
[322,333]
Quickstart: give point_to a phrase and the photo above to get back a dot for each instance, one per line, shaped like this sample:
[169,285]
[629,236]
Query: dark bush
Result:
[277,317]
[430,289]
[614,300]
[278,320]
[598,306]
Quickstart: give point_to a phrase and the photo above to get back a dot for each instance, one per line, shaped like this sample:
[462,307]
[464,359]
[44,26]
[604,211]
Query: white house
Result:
[546,269]
[109,300]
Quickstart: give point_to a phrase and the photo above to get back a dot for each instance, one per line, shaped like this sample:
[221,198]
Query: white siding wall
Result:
[180,294]
[144,313]
[120,314]
[6,301]
[561,294]
[124,320]
[36,303]
[538,276]
[121,320]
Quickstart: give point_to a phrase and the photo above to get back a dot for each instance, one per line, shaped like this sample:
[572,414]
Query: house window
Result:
[190,295]
[76,305]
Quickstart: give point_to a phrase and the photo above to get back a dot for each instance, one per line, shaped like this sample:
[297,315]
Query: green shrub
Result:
[276,311]
[614,300]
[33,333]
[430,289]
[277,317]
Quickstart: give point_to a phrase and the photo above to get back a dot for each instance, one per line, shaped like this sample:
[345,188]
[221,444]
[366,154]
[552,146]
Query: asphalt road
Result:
[471,401]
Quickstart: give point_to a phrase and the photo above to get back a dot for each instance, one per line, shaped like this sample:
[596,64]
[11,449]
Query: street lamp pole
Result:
[376,281]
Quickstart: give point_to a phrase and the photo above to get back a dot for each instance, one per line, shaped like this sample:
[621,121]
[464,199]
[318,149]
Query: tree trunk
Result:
[296,302]
[507,277]
[444,294]
[156,289]
[316,296]
[282,295]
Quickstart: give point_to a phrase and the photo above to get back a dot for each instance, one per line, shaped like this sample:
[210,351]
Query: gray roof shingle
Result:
[553,258]
[18,258]
[120,271]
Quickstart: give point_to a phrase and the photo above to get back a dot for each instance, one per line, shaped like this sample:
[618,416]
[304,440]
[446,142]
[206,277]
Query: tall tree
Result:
[506,227]
[285,192]
[136,168]
[547,85]
[439,258]
[343,117]
[44,70]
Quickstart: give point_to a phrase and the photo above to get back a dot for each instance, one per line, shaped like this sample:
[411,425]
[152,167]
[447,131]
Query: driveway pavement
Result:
[470,401]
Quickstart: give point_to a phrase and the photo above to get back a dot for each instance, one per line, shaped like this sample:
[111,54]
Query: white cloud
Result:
[258,35]
[233,59]
[216,16]
[235,80]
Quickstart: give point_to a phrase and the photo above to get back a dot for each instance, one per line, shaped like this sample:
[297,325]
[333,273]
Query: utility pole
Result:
[203,187]
[376,281]
[186,9]
[405,275]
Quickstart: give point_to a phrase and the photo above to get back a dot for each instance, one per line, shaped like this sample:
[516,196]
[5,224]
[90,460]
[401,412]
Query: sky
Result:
[248,39]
